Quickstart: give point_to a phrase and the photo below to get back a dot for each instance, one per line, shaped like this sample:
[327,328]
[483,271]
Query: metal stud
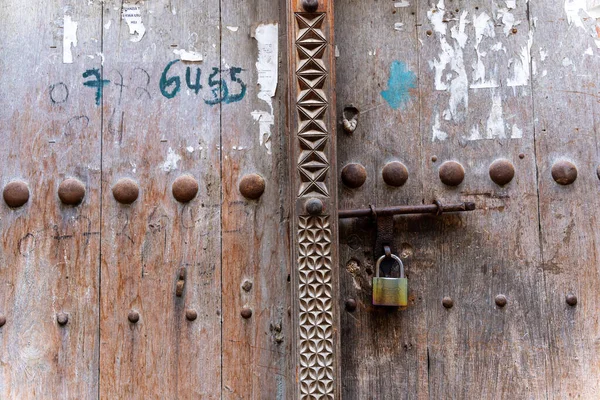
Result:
[133,316]
[247,285]
[447,302]
[354,175]
[451,173]
[502,172]
[310,5]
[62,318]
[246,312]
[125,191]
[2,321]
[395,174]
[184,188]
[16,194]
[571,300]
[500,300]
[191,314]
[252,186]
[564,172]
[71,191]
[314,206]
[350,305]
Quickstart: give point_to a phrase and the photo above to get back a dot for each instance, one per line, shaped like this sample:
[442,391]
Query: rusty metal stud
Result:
[62,318]
[314,206]
[395,174]
[447,302]
[246,312]
[350,305]
[354,175]
[16,194]
[433,158]
[184,188]
[500,300]
[310,5]
[564,172]
[191,314]
[247,285]
[571,300]
[2,321]
[179,288]
[451,173]
[502,172]
[521,156]
[125,191]
[252,186]
[71,191]
[133,316]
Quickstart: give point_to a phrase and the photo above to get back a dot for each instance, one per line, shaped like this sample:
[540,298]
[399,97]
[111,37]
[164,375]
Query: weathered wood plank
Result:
[256,245]
[565,82]
[50,131]
[162,124]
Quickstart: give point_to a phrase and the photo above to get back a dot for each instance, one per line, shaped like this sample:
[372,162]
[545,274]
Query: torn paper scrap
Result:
[69,38]
[132,15]
[191,56]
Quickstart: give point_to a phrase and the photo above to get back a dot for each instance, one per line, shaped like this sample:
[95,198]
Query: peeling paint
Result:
[400,82]
[69,39]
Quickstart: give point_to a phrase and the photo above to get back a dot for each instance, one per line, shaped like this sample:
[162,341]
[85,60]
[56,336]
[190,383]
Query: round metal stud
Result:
[502,172]
[191,314]
[310,5]
[125,191]
[447,302]
[500,300]
[16,194]
[246,312]
[247,285]
[71,191]
[598,172]
[133,316]
[350,305]
[451,173]
[354,175]
[62,318]
[2,321]
[184,188]
[571,300]
[252,186]
[395,174]
[314,206]
[564,172]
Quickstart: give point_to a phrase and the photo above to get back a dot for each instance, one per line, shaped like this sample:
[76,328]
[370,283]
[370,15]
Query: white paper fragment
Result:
[69,38]
[267,38]
[566,62]
[233,28]
[101,55]
[191,56]
[132,15]
[521,66]
[589,51]
[337,51]
[484,27]
[516,133]
[437,133]
[508,20]
[511,4]
[398,26]
[400,4]
[495,122]
[170,163]
[190,149]
[107,25]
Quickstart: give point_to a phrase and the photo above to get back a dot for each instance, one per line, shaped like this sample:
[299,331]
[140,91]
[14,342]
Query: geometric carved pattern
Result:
[316,369]
[311,103]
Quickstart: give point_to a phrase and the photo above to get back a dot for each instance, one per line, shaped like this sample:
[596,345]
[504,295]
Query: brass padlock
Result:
[390,291]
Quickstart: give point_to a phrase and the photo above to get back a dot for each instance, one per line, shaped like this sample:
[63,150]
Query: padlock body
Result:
[390,292]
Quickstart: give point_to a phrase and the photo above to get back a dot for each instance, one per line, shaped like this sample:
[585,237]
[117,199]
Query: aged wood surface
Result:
[50,131]
[256,244]
[157,127]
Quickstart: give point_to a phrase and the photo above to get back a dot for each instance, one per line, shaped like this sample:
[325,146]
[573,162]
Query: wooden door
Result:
[493,86]
[167,274]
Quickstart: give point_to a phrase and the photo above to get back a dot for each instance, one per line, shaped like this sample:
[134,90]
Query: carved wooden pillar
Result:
[313,173]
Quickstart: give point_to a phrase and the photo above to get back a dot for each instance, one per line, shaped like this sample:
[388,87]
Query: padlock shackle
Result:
[395,258]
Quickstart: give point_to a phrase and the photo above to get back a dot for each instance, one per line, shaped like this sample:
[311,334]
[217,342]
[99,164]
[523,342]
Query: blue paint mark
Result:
[400,82]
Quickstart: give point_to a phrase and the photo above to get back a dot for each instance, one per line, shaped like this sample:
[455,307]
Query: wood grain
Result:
[50,129]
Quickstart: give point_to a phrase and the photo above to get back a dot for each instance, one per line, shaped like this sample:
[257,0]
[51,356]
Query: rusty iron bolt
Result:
[395,174]
[502,172]
[125,191]
[310,5]
[133,316]
[252,186]
[354,175]
[247,285]
[71,192]
[564,172]
[500,300]
[433,158]
[62,318]
[246,312]
[571,300]
[16,194]
[451,173]
[2,321]
[350,305]
[184,188]
[521,156]
[191,314]
[314,206]
[447,302]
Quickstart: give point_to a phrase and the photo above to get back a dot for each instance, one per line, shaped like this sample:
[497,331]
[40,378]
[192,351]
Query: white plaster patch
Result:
[267,38]
[69,39]
[132,15]
[170,163]
[190,56]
